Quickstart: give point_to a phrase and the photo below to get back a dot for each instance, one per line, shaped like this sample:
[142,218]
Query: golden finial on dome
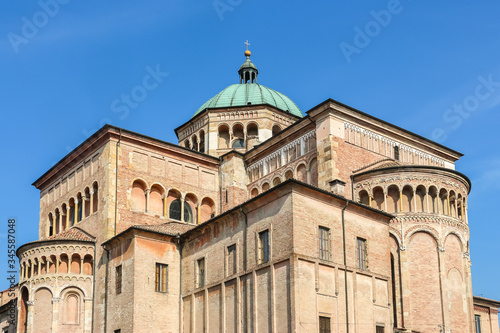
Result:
[247,52]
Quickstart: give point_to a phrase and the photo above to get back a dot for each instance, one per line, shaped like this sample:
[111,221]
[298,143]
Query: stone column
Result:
[147,200]
[182,210]
[84,199]
[81,265]
[444,286]
[55,314]
[91,193]
[198,214]
[59,222]
[87,316]
[70,260]
[29,321]
[75,216]
[165,206]
[68,224]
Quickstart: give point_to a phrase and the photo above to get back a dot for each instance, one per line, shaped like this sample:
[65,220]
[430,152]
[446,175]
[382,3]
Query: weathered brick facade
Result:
[236,229]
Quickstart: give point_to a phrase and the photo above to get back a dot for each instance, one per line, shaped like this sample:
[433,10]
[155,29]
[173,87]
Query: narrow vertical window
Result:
[324,325]
[362,254]
[380,329]
[477,321]
[231,259]
[324,243]
[396,153]
[263,246]
[161,278]
[201,273]
[118,279]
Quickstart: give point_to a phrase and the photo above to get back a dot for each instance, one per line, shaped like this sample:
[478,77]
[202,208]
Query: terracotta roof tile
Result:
[74,233]
[169,228]
[380,164]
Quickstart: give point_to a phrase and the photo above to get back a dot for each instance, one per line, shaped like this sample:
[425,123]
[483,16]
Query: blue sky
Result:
[430,67]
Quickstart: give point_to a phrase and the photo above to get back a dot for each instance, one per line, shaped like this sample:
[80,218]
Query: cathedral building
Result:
[261,219]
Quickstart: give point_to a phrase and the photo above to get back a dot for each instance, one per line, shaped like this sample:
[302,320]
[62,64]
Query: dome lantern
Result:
[248,72]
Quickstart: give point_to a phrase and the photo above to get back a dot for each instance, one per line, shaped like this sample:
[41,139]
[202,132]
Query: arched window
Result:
[195,143]
[202,141]
[95,196]
[188,213]
[407,199]
[75,264]
[51,225]
[86,198]
[156,200]
[393,205]
[187,144]
[302,173]
[254,192]
[80,206]
[420,196]
[175,210]
[223,141]
[138,196]
[276,129]
[276,181]
[64,215]
[72,306]
[71,213]
[87,265]
[63,266]
[23,316]
[207,209]
[378,198]
[364,198]
[239,136]
[288,174]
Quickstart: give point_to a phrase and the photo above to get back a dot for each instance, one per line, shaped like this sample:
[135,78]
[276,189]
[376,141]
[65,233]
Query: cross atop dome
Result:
[248,72]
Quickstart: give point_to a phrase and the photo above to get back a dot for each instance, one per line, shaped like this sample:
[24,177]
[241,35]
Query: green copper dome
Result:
[248,92]
[244,94]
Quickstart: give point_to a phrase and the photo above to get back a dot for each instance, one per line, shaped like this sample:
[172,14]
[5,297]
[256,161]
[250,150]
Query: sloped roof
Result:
[74,233]
[169,228]
[380,164]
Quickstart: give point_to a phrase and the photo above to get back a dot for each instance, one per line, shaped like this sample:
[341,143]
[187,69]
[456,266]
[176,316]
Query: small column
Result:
[385,202]
[84,199]
[165,206]
[48,265]
[39,268]
[448,205]
[428,210]
[57,265]
[400,201]
[91,193]
[32,269]
[370,200]
[70,260]
[81,265]
[182,208]
[198,214]
[75,216]
[147,200]
[59,221]
[68,224]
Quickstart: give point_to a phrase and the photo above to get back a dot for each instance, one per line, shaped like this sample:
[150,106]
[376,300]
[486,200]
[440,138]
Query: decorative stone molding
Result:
[441,248]
[432,219]
[296,144]
[56,300]
[466,255]
[402,248]
[402,147]
[30,303]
